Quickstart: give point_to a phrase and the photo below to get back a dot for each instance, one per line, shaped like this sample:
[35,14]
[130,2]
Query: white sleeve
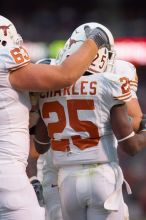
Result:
[134,79]
[132,75]
[134,95]
[119,92]
[127,69]
[14,58]
[11,59]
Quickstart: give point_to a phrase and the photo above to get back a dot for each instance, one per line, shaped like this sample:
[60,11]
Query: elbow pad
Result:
[41,147]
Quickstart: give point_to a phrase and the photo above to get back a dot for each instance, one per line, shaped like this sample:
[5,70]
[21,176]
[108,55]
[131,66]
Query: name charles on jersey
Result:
[81,88]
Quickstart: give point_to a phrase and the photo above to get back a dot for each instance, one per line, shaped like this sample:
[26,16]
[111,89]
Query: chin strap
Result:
[111,61]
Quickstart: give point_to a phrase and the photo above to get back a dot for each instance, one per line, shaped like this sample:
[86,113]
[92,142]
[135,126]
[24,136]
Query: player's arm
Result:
[41,77]
[41,141]
[31,168]
[130,142]
[133,106]
[39,144]
[135,113]
[31,171]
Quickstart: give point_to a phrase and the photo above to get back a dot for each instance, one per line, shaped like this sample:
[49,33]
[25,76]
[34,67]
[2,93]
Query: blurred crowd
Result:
[49,20]
[46,21]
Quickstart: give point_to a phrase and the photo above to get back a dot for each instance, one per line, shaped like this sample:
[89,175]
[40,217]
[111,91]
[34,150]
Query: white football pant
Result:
[91,192]
[18,200]
[52,203]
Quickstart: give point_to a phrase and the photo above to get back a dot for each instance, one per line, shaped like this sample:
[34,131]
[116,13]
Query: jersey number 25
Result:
[75,123]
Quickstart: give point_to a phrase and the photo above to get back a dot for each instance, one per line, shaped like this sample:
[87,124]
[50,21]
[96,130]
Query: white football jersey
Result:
[14,109]
[128,70]
[78,118]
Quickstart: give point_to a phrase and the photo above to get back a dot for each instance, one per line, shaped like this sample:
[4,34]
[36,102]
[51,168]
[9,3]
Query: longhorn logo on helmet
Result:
[5,28]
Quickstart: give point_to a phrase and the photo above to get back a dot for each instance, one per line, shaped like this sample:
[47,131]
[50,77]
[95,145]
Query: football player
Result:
[47,172]
[80,122]
[18,74]
[125,70]
[105,60]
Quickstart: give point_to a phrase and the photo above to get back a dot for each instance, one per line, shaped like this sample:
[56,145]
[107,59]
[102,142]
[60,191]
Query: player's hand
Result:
[142,126]
[98,35]
[38,189]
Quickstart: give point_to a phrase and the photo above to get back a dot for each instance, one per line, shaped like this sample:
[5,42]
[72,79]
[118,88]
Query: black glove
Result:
[98,35]
[38,189]
[142,126]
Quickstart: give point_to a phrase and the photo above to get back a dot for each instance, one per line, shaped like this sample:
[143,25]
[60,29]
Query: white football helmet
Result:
[8,33]
[104,59]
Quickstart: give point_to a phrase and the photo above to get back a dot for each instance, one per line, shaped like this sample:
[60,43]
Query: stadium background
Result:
[46,24]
